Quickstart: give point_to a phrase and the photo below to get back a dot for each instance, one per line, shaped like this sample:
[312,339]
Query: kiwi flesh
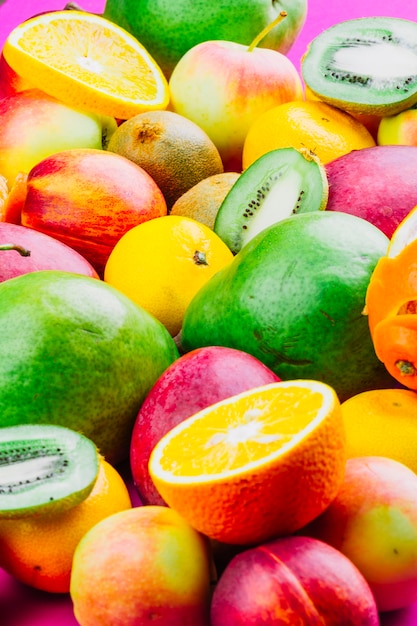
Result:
[364,65]
[280,183]
[44,468]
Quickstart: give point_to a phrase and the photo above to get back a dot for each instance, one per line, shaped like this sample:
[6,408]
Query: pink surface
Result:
[20,605]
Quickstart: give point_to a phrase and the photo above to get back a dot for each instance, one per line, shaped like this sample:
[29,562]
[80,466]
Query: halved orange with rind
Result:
[87,62]
[404,234]
[255,466]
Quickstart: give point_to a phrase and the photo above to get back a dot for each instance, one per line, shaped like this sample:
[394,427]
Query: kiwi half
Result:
[44,468]
[364,65]
[278,184]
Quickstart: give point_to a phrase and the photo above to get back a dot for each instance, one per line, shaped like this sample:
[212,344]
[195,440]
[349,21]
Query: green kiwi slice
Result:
[364,65]
[44,468]
[280,183]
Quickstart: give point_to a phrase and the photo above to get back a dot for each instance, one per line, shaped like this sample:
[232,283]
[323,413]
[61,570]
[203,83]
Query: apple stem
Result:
[267,29]
[14,246]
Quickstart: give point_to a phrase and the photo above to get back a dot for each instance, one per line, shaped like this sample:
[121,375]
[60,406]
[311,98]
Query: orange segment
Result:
[88,62]
[404,234]
[255,466]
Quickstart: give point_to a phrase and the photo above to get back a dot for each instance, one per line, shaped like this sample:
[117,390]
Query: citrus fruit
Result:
[86,61]
[405,233]
[293,297]
[203,200]
[257,465]
[162,263]
[38,550]
[175,151]
[323,129]
[382,422]
[77,353]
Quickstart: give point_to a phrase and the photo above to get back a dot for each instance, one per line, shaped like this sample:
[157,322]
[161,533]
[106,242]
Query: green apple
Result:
[168,29]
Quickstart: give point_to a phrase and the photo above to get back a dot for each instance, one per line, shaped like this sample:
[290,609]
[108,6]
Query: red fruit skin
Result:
[88,199]
[292,580]
[10,82]
[46,253]
[377,184]
[193,382]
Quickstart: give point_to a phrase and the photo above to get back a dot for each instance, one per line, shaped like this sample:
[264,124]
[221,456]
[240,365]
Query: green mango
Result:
[294,297]
[76,352]
[169,28]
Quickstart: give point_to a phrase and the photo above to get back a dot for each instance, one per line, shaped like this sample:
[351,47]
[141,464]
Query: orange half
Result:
[255,466]
[87,62]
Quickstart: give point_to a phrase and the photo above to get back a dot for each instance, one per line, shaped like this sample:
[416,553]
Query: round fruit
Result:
[382,422]
[171,148]
[142,566]
[77,353]
[193,382]
[321,128]
[112,75]
[294,298]
[38,550]
[162,263]
[220,467]
[203,201]
[364,65]
[399,129]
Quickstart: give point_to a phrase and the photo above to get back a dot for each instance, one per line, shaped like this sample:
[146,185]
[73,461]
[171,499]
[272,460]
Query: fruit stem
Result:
[406,368]
[199,258]
[267,29]
[14,246]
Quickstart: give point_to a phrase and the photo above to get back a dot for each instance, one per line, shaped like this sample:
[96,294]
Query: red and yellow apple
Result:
[194,381]
[33,126]
[224,86]
[373,521]
[292,580]
[88,199]
[144,565]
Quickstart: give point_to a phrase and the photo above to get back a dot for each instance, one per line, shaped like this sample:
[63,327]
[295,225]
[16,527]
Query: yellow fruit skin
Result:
[382,422]
[162,263]
[140,566]
[325,130]
[39,550]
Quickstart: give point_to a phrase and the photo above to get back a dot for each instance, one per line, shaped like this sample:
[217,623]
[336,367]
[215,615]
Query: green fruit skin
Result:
[167,29]
[77,353]
[294,297]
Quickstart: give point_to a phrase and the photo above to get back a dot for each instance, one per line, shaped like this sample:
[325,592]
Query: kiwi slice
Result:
[44,468]
[278,184]
[364,65]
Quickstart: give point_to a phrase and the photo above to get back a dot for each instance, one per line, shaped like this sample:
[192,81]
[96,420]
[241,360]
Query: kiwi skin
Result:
[336,66]
[44,469]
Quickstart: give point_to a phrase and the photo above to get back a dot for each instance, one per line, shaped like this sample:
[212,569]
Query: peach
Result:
[143,565]
[194,381]
[373,521]
[292,580]
[88,198]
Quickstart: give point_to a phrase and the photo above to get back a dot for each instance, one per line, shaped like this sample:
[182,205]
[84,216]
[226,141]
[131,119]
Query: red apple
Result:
[45,253]
[88,199]
[376,183]
[196,380]
[224,86]
[33,126]
[292,580]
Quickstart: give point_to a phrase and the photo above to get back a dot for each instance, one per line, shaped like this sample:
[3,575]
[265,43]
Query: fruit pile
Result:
[209,301]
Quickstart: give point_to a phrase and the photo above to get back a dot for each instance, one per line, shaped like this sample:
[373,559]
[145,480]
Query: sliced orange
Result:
[255,466]
[88,62]
[405,233]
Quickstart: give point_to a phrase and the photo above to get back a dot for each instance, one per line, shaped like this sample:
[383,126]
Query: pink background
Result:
[23,606]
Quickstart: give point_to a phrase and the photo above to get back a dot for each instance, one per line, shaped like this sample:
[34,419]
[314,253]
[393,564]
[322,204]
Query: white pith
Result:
[379,61]
[278,204]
